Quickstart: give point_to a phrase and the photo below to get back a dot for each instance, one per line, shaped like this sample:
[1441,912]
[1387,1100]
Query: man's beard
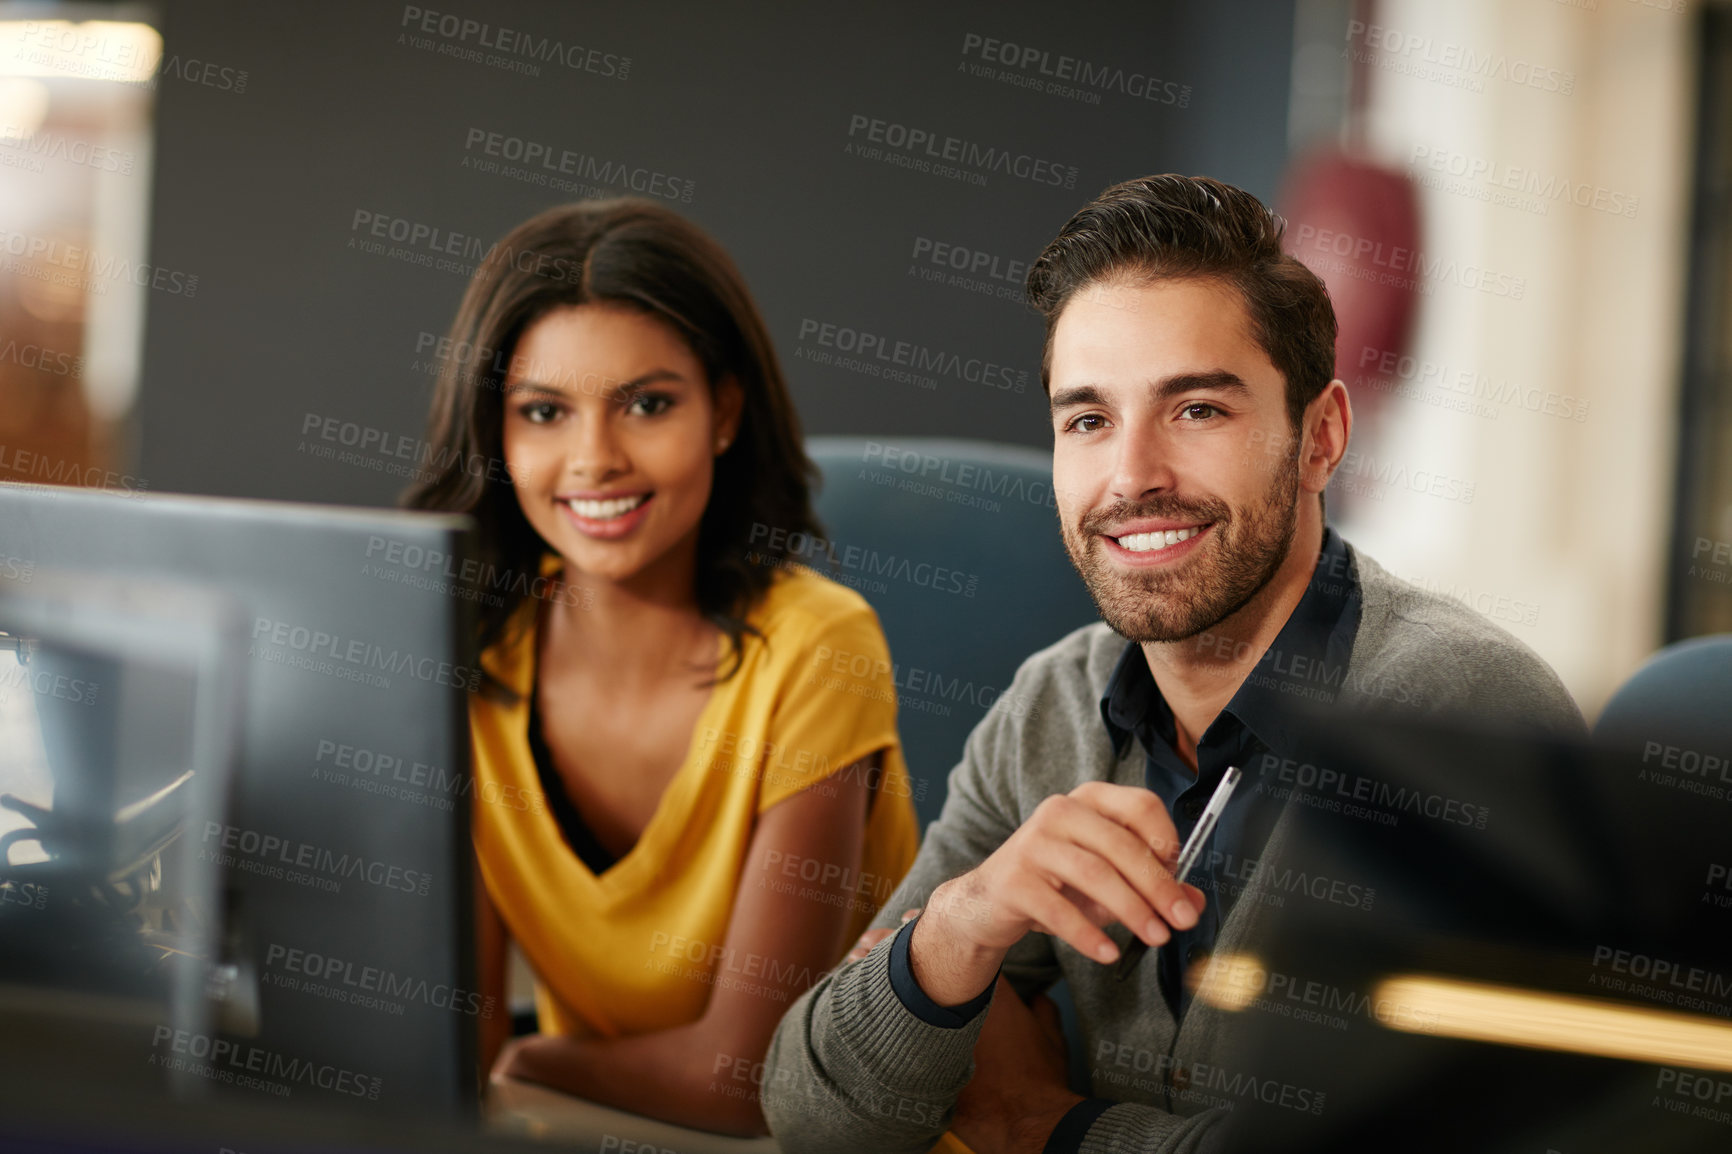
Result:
[1241,555]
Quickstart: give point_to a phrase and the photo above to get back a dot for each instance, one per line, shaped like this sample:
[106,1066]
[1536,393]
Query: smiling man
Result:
[1196,423]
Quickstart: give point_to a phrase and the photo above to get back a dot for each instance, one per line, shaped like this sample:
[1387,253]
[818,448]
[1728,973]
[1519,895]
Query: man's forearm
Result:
[1127,1126]
[852,1069]
[950,968]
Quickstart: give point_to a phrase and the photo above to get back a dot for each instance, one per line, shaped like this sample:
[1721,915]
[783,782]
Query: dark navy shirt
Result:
[1305,665]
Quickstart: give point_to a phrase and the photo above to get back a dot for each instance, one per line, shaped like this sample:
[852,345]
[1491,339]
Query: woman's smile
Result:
[606,518]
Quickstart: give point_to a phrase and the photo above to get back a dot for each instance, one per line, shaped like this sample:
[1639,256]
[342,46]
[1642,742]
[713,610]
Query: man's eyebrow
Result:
[1218,380]
[1077,395]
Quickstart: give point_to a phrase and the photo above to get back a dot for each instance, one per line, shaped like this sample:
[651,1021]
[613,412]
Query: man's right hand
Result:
[1100,854]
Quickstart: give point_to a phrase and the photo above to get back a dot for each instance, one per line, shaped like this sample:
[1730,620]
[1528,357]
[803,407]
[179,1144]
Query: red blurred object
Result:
[1356,225]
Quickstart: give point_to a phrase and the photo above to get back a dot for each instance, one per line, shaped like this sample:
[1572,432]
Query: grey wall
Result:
[747,107]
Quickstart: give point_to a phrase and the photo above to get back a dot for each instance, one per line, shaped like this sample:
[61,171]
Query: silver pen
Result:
[1193,849]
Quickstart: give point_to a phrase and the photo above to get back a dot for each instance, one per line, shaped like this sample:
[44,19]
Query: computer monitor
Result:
[346,978]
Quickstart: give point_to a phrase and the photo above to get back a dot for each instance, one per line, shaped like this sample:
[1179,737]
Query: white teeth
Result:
[606,510]
[1145,542]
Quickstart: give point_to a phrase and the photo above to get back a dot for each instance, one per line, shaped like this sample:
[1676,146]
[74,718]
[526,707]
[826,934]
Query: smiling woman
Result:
[614,471]
[692,770]
[633,256]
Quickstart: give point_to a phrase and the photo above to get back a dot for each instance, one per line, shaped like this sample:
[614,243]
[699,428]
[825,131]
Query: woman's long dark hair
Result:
[637,254]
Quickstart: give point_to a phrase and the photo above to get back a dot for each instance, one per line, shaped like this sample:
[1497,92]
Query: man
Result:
[1196,422]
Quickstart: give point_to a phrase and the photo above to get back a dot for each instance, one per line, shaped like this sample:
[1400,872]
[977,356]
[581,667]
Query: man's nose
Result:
[1142,462]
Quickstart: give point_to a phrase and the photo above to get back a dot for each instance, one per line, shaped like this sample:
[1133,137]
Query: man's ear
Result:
[1328,425]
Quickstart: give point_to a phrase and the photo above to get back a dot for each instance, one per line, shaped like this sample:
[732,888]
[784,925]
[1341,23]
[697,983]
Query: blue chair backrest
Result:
[1667,737]
[1681,698]
[956,545]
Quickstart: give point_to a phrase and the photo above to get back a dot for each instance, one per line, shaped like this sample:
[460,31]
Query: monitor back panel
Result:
[345,850]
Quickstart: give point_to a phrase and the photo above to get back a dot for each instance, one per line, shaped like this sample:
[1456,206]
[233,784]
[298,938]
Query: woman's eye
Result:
[1200,412]
[648,404]
[539,412]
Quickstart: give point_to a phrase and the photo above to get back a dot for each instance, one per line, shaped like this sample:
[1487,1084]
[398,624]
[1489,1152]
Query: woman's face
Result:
[611,434]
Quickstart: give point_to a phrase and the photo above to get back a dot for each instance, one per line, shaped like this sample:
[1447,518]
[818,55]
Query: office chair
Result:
[1682,697]
[1667,732]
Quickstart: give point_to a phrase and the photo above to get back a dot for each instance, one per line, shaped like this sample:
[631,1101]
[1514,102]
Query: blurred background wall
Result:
[1551,148]
[234,233]
[758,120]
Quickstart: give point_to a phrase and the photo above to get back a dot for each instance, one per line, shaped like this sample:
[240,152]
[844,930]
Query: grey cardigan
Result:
[852,1069]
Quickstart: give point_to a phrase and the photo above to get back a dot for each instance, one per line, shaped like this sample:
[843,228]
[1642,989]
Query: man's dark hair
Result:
[1191,227]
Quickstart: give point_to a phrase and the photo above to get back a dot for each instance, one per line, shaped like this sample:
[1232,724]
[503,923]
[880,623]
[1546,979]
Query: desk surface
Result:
[524,1109]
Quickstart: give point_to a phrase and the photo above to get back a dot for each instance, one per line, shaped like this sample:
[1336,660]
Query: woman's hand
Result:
[872,937]
[512,1061]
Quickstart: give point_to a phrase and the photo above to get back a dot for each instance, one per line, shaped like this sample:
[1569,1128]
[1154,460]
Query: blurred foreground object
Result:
[1491,942]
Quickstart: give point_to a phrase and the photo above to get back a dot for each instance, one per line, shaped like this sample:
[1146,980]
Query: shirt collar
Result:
[1307,662]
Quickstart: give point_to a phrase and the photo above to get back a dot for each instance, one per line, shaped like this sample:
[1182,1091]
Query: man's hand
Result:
[1018,1092]
[1083,860]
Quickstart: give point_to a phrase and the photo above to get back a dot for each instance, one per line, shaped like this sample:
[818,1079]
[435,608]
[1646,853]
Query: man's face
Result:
[1174,465]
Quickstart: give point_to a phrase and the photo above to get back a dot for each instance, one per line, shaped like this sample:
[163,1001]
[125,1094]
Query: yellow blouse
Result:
[639,947]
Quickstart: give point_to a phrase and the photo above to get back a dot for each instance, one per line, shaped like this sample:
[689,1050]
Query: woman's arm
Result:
[780,941]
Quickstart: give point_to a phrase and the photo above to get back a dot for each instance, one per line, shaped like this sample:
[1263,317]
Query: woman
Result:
[710,725]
